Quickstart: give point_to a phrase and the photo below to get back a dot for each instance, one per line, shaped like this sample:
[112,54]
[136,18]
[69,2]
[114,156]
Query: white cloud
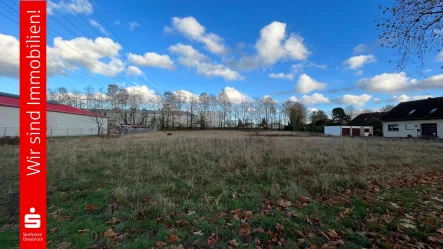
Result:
[427,70]
[359,61]
[167,30]
[361,48]
[67,55]
[357,100]
[234,95]
[293,99]
[89,53]
[152,59]
[193,30]
[359,72]
[190,57]
[273,44]
[281,76]
[148,94]
[133,25]
[9,59]
[187,96]
[376,100]
[311,110]
[98,26]
[212,70]
[72,6]
[440,56]
[398,82]
[306,84]
[405,98]
[133,70]
[299,67]
[398,99]
[314,99]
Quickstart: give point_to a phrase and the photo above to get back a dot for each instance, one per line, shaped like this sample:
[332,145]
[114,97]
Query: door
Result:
[356,132]
[345,131]
[429,129]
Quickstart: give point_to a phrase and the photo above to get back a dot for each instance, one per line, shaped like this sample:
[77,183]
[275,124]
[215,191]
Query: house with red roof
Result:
[62,120]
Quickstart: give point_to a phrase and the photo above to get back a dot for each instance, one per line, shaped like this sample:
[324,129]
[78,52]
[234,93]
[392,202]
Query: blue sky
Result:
[322,53]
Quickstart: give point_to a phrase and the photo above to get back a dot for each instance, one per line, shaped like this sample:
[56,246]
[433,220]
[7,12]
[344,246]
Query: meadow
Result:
[234,189]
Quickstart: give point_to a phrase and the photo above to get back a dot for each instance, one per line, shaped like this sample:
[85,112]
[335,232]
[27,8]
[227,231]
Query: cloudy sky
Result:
[322,53]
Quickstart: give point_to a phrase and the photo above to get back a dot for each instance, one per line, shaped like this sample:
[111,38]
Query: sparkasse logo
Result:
[32,220]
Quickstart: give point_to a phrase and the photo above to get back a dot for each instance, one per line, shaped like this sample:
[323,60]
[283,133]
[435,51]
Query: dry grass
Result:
[216,167]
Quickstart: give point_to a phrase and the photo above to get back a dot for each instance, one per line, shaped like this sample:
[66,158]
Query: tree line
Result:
[203,111]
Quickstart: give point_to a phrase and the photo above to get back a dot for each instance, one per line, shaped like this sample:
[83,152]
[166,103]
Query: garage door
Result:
[345,131]
[356,132]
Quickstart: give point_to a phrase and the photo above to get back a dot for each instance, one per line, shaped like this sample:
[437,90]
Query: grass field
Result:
[216,189]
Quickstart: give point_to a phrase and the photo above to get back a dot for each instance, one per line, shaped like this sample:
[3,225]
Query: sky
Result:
[321,53]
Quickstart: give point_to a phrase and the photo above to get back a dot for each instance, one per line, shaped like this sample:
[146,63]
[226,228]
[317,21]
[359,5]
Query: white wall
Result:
[404,133]
[333,130]
[9,118]
[58,124]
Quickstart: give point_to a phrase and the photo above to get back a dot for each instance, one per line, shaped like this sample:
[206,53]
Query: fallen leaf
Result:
[245,231]
[279,227]
[440,230]
[64,245]
[83,231]
[407,225]
[172,238]
[395,205]
[54,230]
[200,233]
[160,243]
[232,244]
[211,240]
[112,221]
[109,233]
[347,211]
[90,207]
[249,214]
[191,213]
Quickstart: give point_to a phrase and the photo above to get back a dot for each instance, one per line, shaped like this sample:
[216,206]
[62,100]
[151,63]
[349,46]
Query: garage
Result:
[347,130]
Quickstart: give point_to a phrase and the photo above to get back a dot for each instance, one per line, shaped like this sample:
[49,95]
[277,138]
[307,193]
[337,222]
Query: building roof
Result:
[365,118]
[13,100]
[430,108]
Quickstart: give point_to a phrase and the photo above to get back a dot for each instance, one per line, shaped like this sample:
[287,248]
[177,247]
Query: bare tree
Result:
[351,112]
[97,106]
[225,104]
[413,28]
[89,92]
[387,108]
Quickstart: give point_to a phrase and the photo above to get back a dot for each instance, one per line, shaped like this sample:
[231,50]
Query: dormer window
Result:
[433,110]
[411,112]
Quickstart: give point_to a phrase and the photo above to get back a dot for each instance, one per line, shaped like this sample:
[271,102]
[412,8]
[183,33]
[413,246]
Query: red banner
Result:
[32,124]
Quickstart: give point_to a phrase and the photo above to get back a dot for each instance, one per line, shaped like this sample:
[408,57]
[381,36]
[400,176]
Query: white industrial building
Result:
[419,118]
[62,120]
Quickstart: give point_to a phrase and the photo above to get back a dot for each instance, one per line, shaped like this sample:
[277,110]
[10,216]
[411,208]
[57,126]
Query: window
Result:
[433,110]
[366,129]
[393,127]
[409,126]
[411,112]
